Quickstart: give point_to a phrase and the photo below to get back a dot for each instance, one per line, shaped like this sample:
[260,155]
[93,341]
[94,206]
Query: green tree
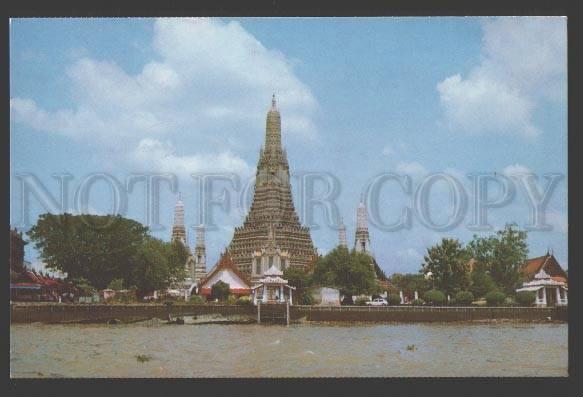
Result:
[82,286]
[156,264]
[97,248]
[220,290]
[464,298]
[525,298]
[177,255]
[447,262]
[495,298]
[349,271]
[102,249]
[300,279]
[116,284]
[502,256]
[410,282]
[435,297]
[393,299]
[482,283]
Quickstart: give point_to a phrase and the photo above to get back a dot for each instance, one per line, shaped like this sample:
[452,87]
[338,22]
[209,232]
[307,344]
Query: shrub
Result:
[361,301]
[220,290]
[435,297]
[464,298]
[495,298]
[525,298]
[231,300]
[306,299]
[393,299]
[116,284]
[418,302]
[197,299]
[243,301]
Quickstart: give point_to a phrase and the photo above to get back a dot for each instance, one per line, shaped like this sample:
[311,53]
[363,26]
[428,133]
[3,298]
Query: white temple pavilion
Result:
[272,288]
[549,292]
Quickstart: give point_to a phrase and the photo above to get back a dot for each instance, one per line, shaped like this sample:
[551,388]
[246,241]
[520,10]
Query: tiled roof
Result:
[547,262]
[532,266]
[225,262]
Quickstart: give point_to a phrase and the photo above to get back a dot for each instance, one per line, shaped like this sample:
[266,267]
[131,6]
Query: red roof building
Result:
[548,263]
[227,272]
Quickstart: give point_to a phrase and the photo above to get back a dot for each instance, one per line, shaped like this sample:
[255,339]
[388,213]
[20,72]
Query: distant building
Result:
[272,288]
[227,272]
[342,235]
[548,263]
[362,238]
[325,296]
[33,286]
[362,243]
[547,279]
[199,257]
[178,229]
[549,292]
[195,265]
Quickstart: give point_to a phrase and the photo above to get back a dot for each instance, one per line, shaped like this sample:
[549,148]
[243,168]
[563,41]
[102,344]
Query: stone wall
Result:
[426,313]
[58,313]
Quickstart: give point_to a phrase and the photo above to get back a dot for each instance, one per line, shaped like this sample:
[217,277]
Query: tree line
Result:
[351,272]
[486,265]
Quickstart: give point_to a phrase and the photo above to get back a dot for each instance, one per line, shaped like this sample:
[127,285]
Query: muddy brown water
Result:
[154,349]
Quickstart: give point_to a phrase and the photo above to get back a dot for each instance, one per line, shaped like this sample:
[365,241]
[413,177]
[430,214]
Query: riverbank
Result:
[127,313]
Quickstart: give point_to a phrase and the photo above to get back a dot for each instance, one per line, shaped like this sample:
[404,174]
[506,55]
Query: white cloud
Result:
[161,157]
[410,168]
[388,151]
[523,63]
[516,169]
[208,90]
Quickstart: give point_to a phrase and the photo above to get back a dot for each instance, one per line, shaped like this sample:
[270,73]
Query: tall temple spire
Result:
[272,215]
[178,229]
[273,128]
[342,235]
[199,255]
[362,239]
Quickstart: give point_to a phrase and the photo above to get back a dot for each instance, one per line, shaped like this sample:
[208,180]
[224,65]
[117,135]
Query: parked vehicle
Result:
[377,302]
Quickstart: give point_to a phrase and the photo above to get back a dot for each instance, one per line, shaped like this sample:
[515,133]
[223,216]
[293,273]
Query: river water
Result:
[300,350]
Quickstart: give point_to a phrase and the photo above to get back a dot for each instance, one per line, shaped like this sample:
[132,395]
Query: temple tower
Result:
[362,239]
[272,212]
[342,235]
[178,229]
[179,234]
[199,255]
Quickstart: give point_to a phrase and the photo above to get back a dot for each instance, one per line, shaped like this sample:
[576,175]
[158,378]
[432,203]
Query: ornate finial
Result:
[273,101]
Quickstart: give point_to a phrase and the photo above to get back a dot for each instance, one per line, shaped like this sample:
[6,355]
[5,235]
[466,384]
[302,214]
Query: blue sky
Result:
[358,97]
